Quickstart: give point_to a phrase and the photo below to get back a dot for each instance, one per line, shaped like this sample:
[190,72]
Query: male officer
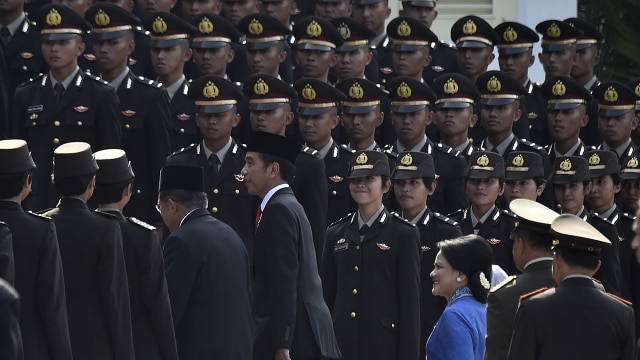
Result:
[616,118]
[373,14]
[38,268]
[151,322]
[532,256]
[170,51]
[270,106]
[207,270]
[318,104]
[236,10]
[212,50]
[63,105]
[515,57]
[554,323]
[194,8]
[354,56]
[292,320]
[587,53]
[144,127]
[220,156]
[411,104]
[316,43]
[331,9]
[95,275]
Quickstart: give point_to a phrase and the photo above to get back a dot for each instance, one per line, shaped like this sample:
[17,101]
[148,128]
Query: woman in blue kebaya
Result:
[461,274]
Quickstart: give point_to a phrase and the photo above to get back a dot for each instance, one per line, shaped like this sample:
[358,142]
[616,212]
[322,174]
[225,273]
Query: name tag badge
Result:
[341,245]
[35,109]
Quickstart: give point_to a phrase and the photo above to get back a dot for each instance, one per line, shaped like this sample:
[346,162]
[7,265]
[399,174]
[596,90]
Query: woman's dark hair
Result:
[582,258]
[72,185]
[110,193]
[471,255]
[11,184]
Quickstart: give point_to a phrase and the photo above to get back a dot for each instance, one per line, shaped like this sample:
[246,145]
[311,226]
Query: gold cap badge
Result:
[450,87]
[509,34]
[356,91]
[255,27]
[553,30]
[594,160]
[565,165]
[494,84]
[483,160]
[637,90]
[558,88]
[260,87]
[159,26]
[344,31]
[205,26]
[518,160]
[611,95]
[406,160]
[314,29]
[404,91]
[308,93]
[102,18]
[633,162]
[469,28]
[54,18]
[362,159]
[210,90]
[404,29]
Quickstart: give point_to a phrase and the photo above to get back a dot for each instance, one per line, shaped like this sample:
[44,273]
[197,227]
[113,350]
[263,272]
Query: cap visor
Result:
[407,47]
[404,174]
[425,4]
[208,44]
[453,105]
[265,106]
[313,111]
[582,46]
[555,47]
[407,108]
[629,176]
[214,109]
[163,44]
[359,109]
[365,2]
[260,45]
[512,51]
[521,175]
[347,48]
[563,179]
[612,112]
[496,102]
[316,47]
[479,174]
[55,37]
[108,35]
[562,106]
[471,44]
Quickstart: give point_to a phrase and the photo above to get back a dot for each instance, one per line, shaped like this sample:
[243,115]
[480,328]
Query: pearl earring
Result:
[458,279]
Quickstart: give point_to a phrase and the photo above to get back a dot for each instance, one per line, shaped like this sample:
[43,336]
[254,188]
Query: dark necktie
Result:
[364,229]
[214,162]
[495,150]
[58,89]
[476,228]
[5,36]
[258,217]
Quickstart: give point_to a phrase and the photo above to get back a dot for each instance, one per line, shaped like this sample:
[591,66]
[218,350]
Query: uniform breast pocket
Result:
[131,120]
[80,116]
[34,116]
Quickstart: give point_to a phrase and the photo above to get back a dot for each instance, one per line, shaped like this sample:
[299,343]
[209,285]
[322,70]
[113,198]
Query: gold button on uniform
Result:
[56,141]
[237,191]
[79,123]
[215,191]
[127,126]
[353,315]
[393,326]
[334,193]
[357,247]
[354,291]
[356,268]
[139,191]
[56,123]
[24,68]
[33,123]
[181,131]
[214,210]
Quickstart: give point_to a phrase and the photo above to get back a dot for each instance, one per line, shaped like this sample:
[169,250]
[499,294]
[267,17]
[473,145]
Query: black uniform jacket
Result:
[289,309]
[95,281]
[207,269]
[573,321]
[39,280]
[151,320]
[182,119]
[373,287]
[7,268]
[337,162]
[503,302]
[88,111]
[9,329]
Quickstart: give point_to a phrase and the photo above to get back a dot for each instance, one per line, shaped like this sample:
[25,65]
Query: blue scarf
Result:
[460,292]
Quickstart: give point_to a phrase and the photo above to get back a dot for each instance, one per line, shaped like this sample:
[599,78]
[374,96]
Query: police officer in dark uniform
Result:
[515,57]
[554,323]
[10,343]
[316,43]
[318,104]
[417,167]
[355,55]
[144,127]
[616,118]
[629,175]
[38,268]
[532,256]
[220,156]
[168,31]
[411,104]
[63,105]
[94,267]
[270,106]
[151,321]
[373,14]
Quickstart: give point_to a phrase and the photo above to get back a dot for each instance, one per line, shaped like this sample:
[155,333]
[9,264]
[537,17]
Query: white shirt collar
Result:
[181,221]
[537,260]
[173,88]
[115,84]
[221,154]
[270,194]
[418,147]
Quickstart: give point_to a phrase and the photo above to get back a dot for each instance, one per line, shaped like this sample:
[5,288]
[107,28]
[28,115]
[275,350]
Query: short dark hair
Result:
[72,185]
[110,193]
[287,169]
[575,257]
[536,239]
[11,184]
[186,198]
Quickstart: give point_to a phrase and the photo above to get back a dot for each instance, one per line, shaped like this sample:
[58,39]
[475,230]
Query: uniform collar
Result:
[591,83]
[620,150]
[540,259]
[417,147]
[571,151]
[15,24]
[325,149]
[115,84]
[67,81]
[418,217]
[173,88]
[221,153]
[270,193]
[502,147]
[373,219]
[462,147]
[483,218]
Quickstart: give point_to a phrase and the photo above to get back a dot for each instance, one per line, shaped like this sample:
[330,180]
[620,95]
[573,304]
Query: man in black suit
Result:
[63,105]
[95,276]
[151,321]
[531,244]
[292,320]
[38,267]
[207,270]
[9,330]
[616,118]
[554,323]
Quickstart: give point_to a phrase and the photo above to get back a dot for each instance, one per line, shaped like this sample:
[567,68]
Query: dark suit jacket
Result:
[207,271]
[373,287]
[39,280]
[95,282]
[182,119]
[145,140]
[9,329]
[573,321]
[503,302]
[88,111]
[444,60]
[7,267]
[151,320]
[289,310]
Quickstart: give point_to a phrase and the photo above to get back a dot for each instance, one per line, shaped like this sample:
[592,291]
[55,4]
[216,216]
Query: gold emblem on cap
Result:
[255,27]
[205,26]
[406,160]
[450,87]
[102,18]
[633,162]
[356,91]
[494,84]
[553,30]
[362,159]
[558,88]
[483,160]
[509,34]
[314,29]
[344,31]
[404,91]
[308,93]
[260,87]
[565,165]
[518,160]
[159,25]
[611,94]
[210,90]
[54,18]
[404,29]
[594,160]
[469,28]
[637,90]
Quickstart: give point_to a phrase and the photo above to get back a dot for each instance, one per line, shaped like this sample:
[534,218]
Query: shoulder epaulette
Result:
[149,82]
[341,220]
[626,302]
[445,219]
[628,216]
[142,31]
[531,144]
[599,217]
[107,215]
[456,213]
[504,282]
[447,150]
[347,148]
[309,151]
[31,80]
[141,223]
[446,44]
[95,78]
[509,213]
[39,216]
[42,212]
[397,216]
[184,149]
[534,292]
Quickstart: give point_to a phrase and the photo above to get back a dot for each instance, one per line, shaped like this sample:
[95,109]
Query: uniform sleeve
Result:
[629,346]
[609,273]
[7,270]
[499,328]
[452,339]
[158,136]
[328,270]
[115,292]
[409,294]
[454,188]
[156,297]
[10,340]
[523,339]
[109,134]
[51,298]
[181,271]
